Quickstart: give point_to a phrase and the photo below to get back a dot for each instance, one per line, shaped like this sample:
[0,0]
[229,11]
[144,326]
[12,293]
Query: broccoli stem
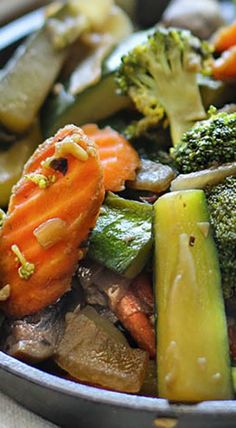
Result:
[178,128]
[187,110]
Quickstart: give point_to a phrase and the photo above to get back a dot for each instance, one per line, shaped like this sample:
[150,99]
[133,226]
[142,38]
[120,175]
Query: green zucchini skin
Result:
[96,102]
[193,354]
[122,237]
[27,81]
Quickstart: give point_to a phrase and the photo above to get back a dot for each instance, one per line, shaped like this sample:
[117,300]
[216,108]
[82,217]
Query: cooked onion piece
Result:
[206,177]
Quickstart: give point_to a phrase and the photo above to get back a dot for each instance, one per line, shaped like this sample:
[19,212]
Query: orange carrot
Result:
[51,211]
[134,310]
[224,68]
[225,38]
[118,157]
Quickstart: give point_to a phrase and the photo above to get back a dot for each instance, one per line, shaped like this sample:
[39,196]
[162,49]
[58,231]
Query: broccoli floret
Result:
[222,207]
[160,76]
[209,143]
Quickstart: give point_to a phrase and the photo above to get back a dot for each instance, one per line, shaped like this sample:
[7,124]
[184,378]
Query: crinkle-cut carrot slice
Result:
[225,38]
[224,68]
[119,159]
[70,202]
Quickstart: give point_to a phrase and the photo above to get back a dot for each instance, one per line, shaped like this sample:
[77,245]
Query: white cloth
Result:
[12,415]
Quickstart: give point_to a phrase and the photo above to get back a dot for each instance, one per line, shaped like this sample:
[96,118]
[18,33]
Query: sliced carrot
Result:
[224,68]
[119,159]
[73,200]
[134,310]
[225,38]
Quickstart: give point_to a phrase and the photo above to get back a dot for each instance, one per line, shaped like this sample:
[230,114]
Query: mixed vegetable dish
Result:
[118,232]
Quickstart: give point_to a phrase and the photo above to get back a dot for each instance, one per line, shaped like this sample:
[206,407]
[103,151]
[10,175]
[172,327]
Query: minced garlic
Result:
[41,180]
[69,146]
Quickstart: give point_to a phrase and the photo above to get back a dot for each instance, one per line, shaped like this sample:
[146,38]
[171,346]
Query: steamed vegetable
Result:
[122,238]
[118,158]
[193,354]
[62,184]
[135,311]
[225,38]
[154,74]
[152,176]
[205,177]
[93,351]
[88,72]
[12,161]
[94,103]
[27,81]
[208,143]
[222,207]
[224,68]
[29,76]
[131,302]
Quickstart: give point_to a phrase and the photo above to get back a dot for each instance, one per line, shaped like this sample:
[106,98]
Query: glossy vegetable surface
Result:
[68,187]
[96,102]
[225,38]
[12,162]
[91,352]
[118,158]
[224,68]
[122,238]
[27,81]
[193,354]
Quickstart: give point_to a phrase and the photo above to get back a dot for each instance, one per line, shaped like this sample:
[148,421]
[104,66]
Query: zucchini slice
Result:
[122,238]
[95,103]
[193,354]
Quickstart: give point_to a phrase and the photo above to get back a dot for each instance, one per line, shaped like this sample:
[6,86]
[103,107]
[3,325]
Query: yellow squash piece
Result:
[193,355]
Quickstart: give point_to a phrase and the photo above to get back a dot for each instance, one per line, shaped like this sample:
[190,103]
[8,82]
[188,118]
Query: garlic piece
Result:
[50,232]
[5,293]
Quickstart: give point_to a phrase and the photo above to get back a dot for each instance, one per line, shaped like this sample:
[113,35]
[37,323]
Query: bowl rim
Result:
[100,396]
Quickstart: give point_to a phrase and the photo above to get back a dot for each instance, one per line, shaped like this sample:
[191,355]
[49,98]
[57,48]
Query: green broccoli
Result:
[160,76]
[209,143]
[222,207]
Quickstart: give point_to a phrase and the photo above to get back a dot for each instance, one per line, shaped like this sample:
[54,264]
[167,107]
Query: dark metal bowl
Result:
[69,404]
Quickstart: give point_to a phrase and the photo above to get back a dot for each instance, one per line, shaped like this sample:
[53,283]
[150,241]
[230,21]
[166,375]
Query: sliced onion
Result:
[206,177]
[50,232]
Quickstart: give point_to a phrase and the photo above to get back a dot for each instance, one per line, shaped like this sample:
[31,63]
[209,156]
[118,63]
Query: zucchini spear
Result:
[193,355]
[29,75]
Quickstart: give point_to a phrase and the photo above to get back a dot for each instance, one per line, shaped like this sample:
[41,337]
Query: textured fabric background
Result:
[14,416]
